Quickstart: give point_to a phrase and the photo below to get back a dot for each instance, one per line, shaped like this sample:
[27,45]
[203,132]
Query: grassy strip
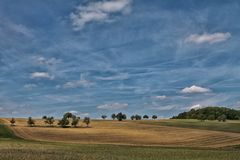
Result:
[20,150]
[5,132]
[230,126]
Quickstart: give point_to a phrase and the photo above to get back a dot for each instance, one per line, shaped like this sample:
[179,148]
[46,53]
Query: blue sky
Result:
[104,56]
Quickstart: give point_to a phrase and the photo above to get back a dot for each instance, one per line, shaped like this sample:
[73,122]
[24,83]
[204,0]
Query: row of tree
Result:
[120,116]
[68,120]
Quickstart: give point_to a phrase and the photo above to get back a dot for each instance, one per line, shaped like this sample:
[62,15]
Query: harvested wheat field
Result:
[130,133]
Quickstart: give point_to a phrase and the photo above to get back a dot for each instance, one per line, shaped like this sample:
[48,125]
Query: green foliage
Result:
[222,118]
[104,116]
[209,113]
[5,132]
[75,121]
[138,117]
[30,122]
[154,117]
[86,120]
[113,116]
[145,117]
[132,117]
[63,122]
[120,116]
[44,117]
[48,120]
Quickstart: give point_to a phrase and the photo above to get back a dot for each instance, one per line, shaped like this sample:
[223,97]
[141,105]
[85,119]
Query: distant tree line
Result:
[210,113]
[120,116]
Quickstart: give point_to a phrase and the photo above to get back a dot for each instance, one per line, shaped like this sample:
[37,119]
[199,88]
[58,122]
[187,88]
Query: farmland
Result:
[119,140]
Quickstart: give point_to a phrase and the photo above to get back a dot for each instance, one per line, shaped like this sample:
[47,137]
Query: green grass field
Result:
[15,148]
[228,126]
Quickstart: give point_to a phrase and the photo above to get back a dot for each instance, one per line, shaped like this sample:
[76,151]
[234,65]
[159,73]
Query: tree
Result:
[104,116]
[145,117]
[138,117]
[63,122]
[12,121]
[132,117]
[113,116]
[68,115]
[211,117]
[30,122]
[201,117]
[120,116]
[222,118]
[48,120]
[154,117]
[86,120]
[75,121]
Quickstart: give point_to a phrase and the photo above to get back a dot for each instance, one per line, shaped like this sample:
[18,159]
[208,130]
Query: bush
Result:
[30,122]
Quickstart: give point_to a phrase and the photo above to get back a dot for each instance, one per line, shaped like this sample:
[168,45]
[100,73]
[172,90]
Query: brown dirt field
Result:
[127,132]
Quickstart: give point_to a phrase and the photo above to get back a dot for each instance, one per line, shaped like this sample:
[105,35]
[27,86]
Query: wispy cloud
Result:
[30,86]
[208,38]
[44,61]
[103,11]
[41,75]
[113,106]
[120,76]
[79,83]
[195,89]
[162,97]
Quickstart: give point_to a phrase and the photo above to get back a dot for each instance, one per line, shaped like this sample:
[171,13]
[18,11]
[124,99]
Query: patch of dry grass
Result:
[127,132]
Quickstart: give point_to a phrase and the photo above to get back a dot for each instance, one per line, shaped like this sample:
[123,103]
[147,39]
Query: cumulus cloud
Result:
[79,83]
[208,38]
[197,106]
[195,89]
[102,11]
[162,97]
[113,106]
[43,75]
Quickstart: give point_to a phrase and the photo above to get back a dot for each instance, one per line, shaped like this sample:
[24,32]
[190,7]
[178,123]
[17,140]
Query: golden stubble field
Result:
[126,132]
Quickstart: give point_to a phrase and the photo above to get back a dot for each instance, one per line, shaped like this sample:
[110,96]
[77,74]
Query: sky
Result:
[94,57]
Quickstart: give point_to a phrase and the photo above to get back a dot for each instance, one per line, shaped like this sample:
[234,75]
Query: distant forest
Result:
[210,113]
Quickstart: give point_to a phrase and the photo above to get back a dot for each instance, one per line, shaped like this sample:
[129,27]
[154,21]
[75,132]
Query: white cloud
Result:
[113,106]
[120,76]
[195,89]
[79,83]
[197,106]
[102,11]
[208,38]
[19,28]
[73,112]
[160,97]
[44,75]
[1,108]
[45,61]
[30,86]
